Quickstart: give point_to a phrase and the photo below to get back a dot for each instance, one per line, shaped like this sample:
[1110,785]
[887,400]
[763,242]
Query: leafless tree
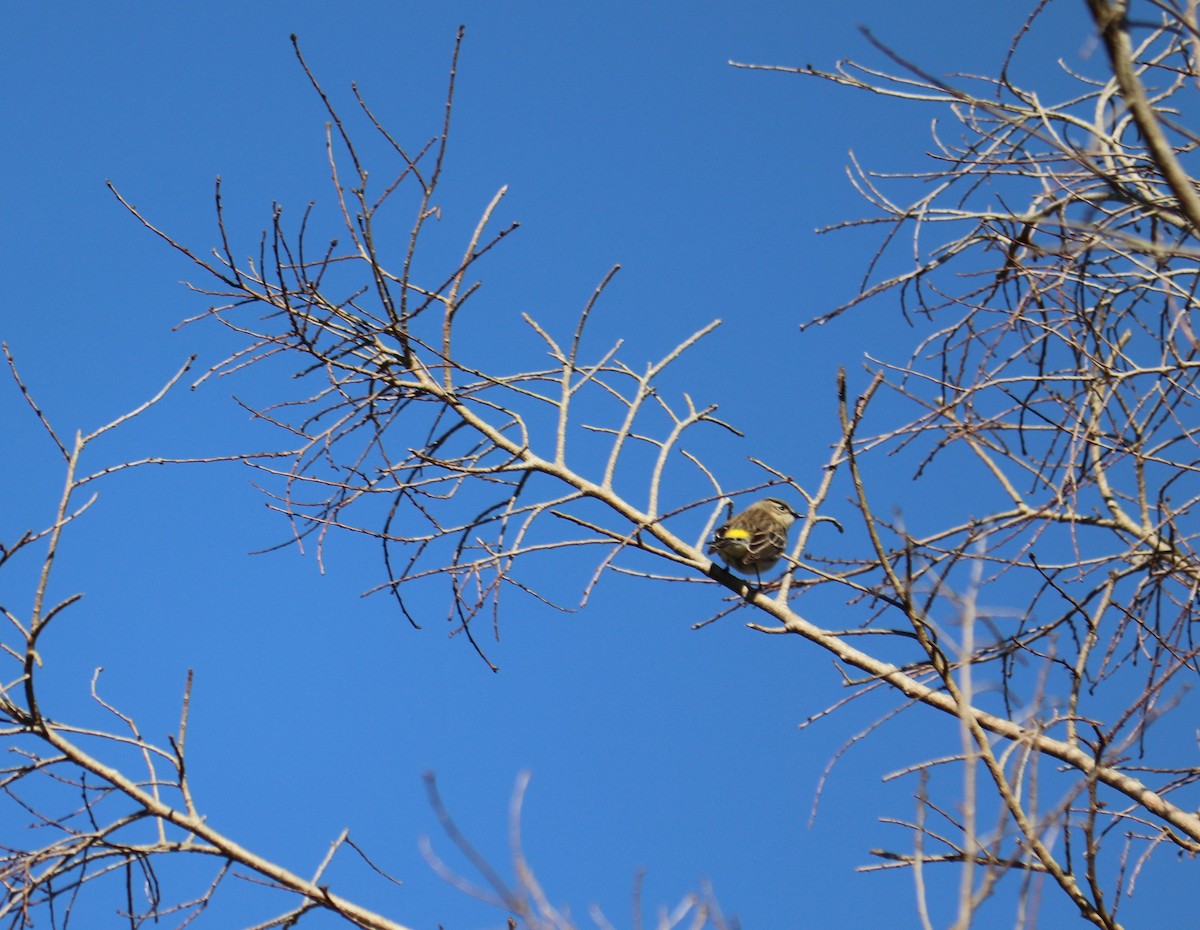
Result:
[105,807]
[1054,282]
[1054,361]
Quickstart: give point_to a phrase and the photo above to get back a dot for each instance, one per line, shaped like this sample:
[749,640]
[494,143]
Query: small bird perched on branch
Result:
[752,541]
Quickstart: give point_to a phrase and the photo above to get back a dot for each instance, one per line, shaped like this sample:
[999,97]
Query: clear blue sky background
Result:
[624,136]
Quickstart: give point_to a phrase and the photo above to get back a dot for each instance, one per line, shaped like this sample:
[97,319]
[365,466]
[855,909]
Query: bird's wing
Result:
[767,541]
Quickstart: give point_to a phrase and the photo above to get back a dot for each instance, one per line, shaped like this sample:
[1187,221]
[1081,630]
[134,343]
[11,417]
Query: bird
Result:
[754,540]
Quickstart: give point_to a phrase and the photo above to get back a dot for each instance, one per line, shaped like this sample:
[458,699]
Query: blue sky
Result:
[624,137]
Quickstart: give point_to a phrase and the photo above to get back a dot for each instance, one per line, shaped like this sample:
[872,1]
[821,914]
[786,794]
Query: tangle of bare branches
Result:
[1054,366]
